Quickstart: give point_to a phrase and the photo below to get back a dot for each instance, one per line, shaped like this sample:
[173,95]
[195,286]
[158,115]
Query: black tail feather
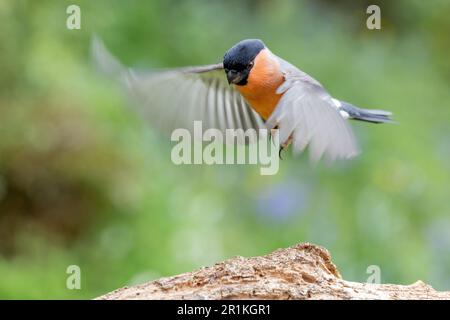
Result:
[368,115]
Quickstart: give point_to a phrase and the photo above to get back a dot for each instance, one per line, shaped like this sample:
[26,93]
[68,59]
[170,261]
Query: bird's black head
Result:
[238,61]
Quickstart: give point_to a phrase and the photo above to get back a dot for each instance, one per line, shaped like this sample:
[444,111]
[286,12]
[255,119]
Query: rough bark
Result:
[304,271]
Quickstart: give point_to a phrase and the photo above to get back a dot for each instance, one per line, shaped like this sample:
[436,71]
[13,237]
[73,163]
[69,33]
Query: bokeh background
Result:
[85,182]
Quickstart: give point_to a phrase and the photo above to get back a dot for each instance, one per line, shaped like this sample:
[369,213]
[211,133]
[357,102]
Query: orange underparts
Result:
[263,81]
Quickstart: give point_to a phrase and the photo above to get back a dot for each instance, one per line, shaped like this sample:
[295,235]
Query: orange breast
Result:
[264,79]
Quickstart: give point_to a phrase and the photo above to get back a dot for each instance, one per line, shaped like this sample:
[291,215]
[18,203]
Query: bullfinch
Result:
[250,88]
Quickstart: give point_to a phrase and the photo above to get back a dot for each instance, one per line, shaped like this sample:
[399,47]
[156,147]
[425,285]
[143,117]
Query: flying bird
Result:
[250,88]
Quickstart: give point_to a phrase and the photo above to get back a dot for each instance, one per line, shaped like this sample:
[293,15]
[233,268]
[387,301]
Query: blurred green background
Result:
[85,182]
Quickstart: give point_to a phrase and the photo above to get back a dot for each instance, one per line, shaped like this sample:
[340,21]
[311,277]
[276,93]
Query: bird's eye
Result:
[226,70]
[250,65]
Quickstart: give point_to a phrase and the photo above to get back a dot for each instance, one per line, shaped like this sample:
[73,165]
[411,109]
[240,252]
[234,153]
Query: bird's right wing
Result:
[306,113]
[175,98]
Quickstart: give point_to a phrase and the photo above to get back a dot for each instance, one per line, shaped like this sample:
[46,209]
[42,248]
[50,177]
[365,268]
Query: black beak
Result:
[233,76]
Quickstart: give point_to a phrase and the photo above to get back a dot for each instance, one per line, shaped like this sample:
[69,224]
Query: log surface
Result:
[304,271]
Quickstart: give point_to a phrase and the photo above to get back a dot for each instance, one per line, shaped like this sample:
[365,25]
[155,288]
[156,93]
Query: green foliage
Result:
[83,181]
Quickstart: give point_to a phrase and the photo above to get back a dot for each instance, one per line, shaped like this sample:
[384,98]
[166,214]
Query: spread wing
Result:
[175,98]
[307,113]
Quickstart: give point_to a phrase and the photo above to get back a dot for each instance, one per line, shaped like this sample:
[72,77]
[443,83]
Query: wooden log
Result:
[304,271]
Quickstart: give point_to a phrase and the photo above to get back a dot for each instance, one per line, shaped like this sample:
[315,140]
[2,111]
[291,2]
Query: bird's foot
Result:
[280,151]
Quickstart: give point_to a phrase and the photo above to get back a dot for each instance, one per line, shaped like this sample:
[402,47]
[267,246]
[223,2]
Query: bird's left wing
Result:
[306,113]
[175,98]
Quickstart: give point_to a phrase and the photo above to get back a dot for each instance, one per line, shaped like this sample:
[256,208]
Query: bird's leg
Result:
[284,146]
[273,130]
[272,133]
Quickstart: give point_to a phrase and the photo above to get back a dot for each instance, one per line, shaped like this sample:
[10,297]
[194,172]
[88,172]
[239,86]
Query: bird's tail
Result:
[368,115]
